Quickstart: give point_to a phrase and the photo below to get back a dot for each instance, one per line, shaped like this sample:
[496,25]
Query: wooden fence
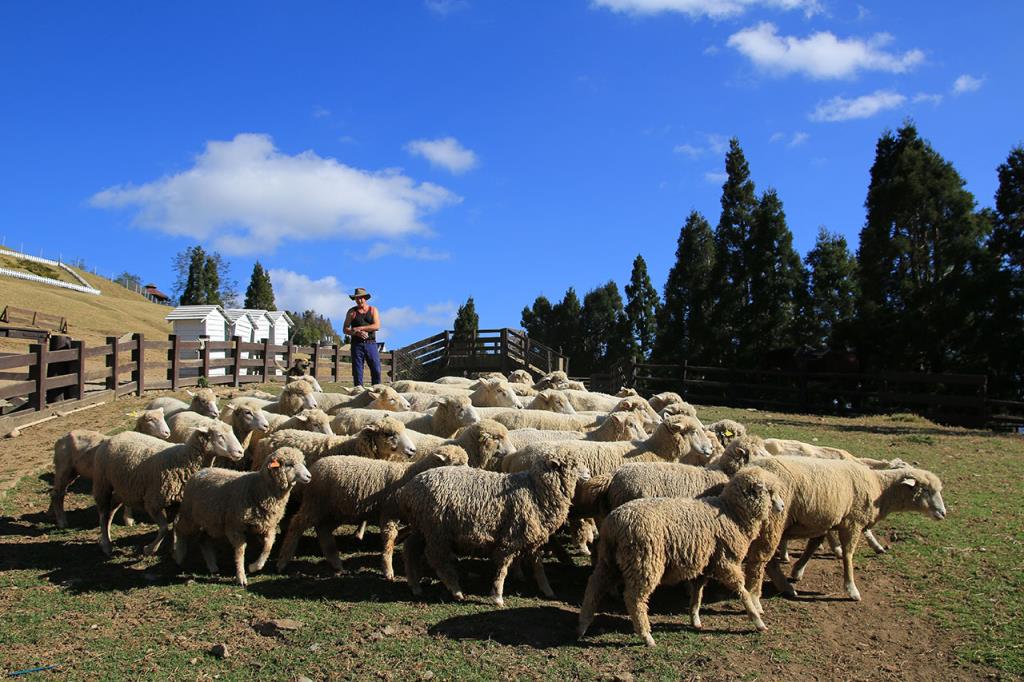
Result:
[47,380]
[497,350]
[949,398]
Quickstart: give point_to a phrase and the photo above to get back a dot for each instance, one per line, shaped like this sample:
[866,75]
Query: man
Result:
[361,325]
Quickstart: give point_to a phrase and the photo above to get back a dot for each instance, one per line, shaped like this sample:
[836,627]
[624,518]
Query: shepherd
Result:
[361,325]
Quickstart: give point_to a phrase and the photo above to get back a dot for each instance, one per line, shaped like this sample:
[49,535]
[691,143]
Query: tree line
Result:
[935,284]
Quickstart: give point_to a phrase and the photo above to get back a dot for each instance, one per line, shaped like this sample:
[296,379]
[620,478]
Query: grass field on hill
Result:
[945,602]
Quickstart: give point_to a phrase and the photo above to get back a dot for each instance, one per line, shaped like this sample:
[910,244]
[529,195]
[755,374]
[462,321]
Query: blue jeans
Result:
[365,352]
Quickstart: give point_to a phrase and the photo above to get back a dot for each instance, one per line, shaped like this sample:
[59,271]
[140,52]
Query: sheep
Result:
[296,396]
[408,385]
[315,420]
[823,494]
[449,414]
[782,447]
[520,376]
[328,401]
[586,400]
[378,397]
[74,455]
[666,540]
[619,426]
[495,393]
[484,442]
[727,429]
[660,400]
[146,472]
[677,408]
[420,402]
[662,479]
[678,440]
[386,439]
[523,390]
[540,419]
[551,380]
[355,489]
[457,381]
[242,419]
[308,378]
[637,404]
[552,401]
[626,392]
[203,401]
[219,503]
[472,511]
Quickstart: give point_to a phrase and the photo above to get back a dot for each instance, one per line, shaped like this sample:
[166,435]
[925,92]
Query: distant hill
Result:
[90,318]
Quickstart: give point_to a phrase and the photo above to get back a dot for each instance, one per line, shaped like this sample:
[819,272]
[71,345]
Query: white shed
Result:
[190,322]
[260,324]
[239,324]
[280,327]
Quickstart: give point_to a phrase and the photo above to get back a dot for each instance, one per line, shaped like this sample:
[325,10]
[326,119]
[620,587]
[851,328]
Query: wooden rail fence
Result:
[64,374]
[499,350]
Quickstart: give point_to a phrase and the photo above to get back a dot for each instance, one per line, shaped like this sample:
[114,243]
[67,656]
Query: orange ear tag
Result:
[274,464]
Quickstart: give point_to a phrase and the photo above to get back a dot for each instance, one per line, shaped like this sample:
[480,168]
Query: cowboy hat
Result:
[360,292]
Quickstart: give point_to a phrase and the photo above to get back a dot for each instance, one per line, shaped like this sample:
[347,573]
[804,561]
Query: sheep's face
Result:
[726,430]
[287,467]
[152,423]
[925,491]
[740,452]
[313,383]
[391,440]
[252,420]
[316,421]
[626,392]
[493,443]
[221,441]
[387,398]
[459,409]
[562,473]
[691,444]
[204,402]
[623,426]
[662,400]
[757,491]
[637,405]
[497,393]
[521,376]
[552,401]
[673,409]
[448,456]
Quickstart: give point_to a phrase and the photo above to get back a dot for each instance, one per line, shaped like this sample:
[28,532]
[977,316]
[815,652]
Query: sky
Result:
[434,150]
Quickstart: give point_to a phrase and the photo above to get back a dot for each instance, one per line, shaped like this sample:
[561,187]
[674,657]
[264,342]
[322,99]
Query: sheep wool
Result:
[386,439]
[203,401]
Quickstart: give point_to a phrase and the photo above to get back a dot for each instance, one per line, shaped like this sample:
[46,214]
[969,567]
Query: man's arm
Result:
[375,325]
[347,329]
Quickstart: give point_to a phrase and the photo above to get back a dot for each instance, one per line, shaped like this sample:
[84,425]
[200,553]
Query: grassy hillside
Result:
[91,318]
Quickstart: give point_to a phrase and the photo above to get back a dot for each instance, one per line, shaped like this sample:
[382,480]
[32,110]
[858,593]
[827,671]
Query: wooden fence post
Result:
[238,362]
[80,347]
[174,372]
[686,365]
[41,350]
[504,350]
[139,358]
[266,359]
[316,359]
[289,356]
[113,361]
[205,371]
[337,362]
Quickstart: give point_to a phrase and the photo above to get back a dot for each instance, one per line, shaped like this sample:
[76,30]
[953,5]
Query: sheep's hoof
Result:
[499,601]
[648,640]
[854,593]
[255,567]
[390,577]
[107,549]
[790,594]
[581,631]
[697,625]
[761,627]
[549,594]
[784,559]
[798,575]
[881,550]
[417,591]
[584,550]
[458,596]
[837,552]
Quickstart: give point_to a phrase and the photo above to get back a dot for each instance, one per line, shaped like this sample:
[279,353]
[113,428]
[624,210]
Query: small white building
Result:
[239,324]
[191,322]
[260,324]
[280,325]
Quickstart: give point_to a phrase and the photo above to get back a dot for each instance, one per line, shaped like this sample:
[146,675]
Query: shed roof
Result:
[234,313]
[276,315]
[194,312]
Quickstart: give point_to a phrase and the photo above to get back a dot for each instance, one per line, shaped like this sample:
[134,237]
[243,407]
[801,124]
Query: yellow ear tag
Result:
[274,464]
[728,433]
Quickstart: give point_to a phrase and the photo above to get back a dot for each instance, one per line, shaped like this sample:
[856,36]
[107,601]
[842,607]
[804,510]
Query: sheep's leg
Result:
[296,527]
[801,563]
[182,530]
[412,550]
[325,534]
[835,545]
[127,516]
[873,542]
[62,480]
[580,533]
[361,531]
[560,552]
[103,496]
[161,531]
[598,584]
[439,556]
[730,574]
[849,537]
[503,561]
[636,595]
[237,540]
[261,560]
[540,576]
[784,552]
[388,533]
[696,588]
[209,555]
[779,579]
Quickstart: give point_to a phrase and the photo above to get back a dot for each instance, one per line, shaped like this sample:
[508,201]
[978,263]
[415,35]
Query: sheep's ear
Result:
[303,418]
[275,463]
[190,393]
[909,482]
[203,429]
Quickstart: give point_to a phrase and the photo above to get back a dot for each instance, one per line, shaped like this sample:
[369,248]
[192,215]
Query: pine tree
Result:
[194,292]
[260,293]
[602,326]
[684,331]
[538,320]
[467,322]
[730,278]
[920,248]
[642,306]
[832,275]
[211,278]
[776,287]
[203,278]
[566,328]
[311,327]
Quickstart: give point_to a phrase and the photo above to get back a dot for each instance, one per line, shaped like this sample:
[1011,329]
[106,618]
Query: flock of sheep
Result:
[468,468]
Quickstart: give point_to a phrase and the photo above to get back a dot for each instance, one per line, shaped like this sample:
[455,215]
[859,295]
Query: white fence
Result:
[84,287]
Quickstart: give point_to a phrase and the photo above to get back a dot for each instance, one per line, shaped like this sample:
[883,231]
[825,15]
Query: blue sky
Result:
[430,151]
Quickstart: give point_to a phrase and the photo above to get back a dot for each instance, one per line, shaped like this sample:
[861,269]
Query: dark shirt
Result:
[362,320]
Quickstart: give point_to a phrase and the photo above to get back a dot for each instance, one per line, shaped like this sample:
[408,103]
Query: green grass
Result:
[63,602]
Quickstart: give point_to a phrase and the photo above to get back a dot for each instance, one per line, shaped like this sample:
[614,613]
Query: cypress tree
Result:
[730,278]
[467,322]
[538,320]
[684,331]
[920,248]
[1004,336]
[602,323]
[211,277]
[642,308]
[260,293]
[832,274]
[568,335]
[195,289]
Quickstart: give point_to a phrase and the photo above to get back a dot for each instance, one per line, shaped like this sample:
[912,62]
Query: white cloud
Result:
[433,318]
[248,197]
[295,291]
[966,83]
[821,55]
[719,144]
[320,112]
[716,177]
[865,106]
[933,99]
[777,137]
[799,137]
[445,7]
[446,152]
[688,150]
[714,9]
[381,249]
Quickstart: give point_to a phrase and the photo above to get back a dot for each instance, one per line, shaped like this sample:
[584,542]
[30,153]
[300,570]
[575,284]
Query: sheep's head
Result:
[250,419]
[387,398]
[552,401]
[659,401]
[311,380]
[689,444]
[492,441]
[641,408]
[153,423]
[755,493]
[560,471]
[920,490]
[621,426]
[204,402]
[740,452]
[496,393]
[727,429]
[390,440]
[551,380]
[300,394]
[520,376]
[458,408]
[216,439]
[678,408]
[315,420]
[715,443]
[286,467]
[447,456]
[625,392]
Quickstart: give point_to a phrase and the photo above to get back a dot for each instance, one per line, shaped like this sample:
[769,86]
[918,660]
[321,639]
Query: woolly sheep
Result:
[354,489]
[219,503]
[823,494]
[242,419]
[421,402]
[449,414]
[660,400]
[666,540]
[328,401]
[457,381]
[551,380]
[541,419]
[296,396]
[520,376]
[662,479]
[626,392]
[484,442]
[468,510]
[74,455]
[203,401]
[727,429]
[143,471]
[315,420]
[378,397]
[552,401]
[586,400]
[619,426]
[678,408]
[386,439]
[408,385]
[495,393]
[637,404]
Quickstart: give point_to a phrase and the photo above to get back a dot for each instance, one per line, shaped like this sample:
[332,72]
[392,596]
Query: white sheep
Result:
[541,419]
[242,419]
[660,400]
[520,376]
[146,472]
[448,415]
[408,385]
[466,510]
[457,381]
[203,401]
[589,400]
[386,439]
[619,426]
[378,397]
[315,420]
[667,540]
[348,489]
[219,503]
[495,393]
[552,401]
